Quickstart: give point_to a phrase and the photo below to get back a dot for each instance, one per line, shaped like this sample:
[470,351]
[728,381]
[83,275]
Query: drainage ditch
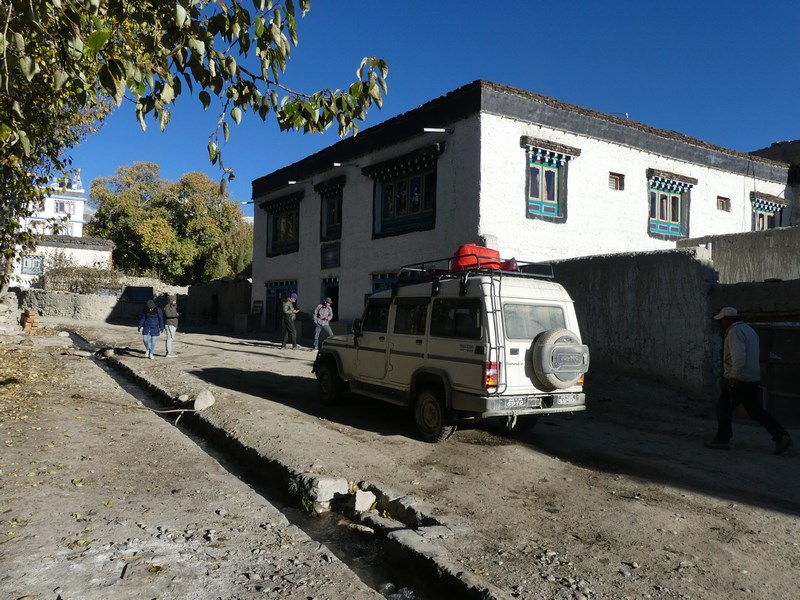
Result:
[365,555]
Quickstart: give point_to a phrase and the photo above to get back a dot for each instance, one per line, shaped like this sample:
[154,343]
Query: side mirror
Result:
[357,327]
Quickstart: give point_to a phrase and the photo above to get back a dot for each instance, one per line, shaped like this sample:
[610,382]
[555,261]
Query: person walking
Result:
[151,323]
[171,315]
[289,315]
[323,315]
[741,379]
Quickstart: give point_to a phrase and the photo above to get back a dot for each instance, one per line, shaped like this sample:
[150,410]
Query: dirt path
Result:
[102,498]
[617,502]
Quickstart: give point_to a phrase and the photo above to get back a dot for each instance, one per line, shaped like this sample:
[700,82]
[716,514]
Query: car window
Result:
[376,317]
[457,318]
[526,321]
[410,317]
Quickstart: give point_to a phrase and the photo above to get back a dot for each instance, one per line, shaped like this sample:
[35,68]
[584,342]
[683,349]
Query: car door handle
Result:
[419,342]
[381,339]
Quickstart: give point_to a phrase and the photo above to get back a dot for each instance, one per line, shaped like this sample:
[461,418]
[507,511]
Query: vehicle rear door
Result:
[522,322]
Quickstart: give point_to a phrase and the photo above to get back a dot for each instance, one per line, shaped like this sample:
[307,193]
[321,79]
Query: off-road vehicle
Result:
[464,342]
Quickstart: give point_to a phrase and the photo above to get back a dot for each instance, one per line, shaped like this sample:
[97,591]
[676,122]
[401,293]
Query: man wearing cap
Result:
[322,319]
[171,320]
[741,379]
[289,315]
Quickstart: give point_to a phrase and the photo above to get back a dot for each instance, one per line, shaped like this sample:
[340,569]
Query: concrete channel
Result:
[406,535]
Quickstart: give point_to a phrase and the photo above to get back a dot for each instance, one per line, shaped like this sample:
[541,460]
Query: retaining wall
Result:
[648,314]
[754,255]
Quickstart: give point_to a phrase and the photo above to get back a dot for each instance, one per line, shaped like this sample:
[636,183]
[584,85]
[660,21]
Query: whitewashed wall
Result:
[456,223]
[599,220]
[481,194]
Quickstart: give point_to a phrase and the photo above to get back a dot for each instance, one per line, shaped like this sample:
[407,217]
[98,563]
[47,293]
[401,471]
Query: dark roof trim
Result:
[484,96]
[767,198]
[282,204]
[656,173]
[409,163]
[69,241]
[537,143]
[329,184]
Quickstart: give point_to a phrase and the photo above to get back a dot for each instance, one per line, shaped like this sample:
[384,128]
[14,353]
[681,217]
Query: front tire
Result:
[430,417]
[330,384]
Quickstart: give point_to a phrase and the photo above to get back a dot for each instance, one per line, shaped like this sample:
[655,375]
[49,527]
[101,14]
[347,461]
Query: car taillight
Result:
[491,374]
[580,379]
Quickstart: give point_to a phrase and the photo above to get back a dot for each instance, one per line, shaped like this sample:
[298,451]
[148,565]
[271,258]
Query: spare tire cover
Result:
[559,359]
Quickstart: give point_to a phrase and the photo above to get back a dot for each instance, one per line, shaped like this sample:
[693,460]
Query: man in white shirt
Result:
[741,379]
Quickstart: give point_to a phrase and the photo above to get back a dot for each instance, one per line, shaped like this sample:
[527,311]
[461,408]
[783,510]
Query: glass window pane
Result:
[550,185]
[663,209]
[535,192]
[376,318]
[415,194]
[410,318]
[401,197]
[653,202]
[457,318]
[675,217]
[526,321]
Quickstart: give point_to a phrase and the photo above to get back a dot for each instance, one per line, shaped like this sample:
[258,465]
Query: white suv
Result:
[462,345]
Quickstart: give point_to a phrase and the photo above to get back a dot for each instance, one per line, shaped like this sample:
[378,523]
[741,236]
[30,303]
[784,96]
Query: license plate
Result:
[562,399]
[523,402]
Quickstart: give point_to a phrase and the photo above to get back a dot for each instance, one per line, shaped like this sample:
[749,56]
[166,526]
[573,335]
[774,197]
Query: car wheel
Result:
[430,417]
[559,359]
[329,382]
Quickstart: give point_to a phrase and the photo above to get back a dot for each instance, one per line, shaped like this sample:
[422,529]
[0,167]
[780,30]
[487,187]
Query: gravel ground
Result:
[619,502]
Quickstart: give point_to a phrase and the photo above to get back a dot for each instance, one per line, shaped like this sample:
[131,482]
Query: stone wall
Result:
[754,255]
[219,302]
[648,314]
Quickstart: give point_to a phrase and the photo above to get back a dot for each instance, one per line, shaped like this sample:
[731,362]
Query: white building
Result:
[63,211]
[533,177]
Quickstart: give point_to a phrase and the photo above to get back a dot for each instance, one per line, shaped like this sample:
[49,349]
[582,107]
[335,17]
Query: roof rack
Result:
[443,269]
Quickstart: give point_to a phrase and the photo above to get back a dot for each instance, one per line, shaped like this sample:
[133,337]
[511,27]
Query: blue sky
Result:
[721,72]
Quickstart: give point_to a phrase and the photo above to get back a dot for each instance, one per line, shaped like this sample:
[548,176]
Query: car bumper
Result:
[499,406]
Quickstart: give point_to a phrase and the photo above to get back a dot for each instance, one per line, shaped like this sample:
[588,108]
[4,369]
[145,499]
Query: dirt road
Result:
[619,502]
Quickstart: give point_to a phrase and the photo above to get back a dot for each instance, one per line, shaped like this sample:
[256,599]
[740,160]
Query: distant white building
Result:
[533,177]
[63,211]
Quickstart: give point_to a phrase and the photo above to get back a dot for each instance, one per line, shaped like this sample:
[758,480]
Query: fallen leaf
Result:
[77,482]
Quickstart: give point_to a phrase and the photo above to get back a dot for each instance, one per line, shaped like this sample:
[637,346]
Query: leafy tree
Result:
[81,54]
[180,232]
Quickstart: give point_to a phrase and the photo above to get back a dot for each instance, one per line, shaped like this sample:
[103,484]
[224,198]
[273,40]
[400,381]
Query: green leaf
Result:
[29,67]
[167,94]
[205,99]
[181,17]
[236,115]
[97,39]
[213,152]
[59,79]
[225,130]
[164,118]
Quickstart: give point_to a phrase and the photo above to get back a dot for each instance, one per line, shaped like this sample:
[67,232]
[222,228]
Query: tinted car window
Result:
[409,318]
[457,318]
[376,318]
[526,321]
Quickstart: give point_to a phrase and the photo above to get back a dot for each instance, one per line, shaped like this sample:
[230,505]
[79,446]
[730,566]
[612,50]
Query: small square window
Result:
[616,181]
[723,203]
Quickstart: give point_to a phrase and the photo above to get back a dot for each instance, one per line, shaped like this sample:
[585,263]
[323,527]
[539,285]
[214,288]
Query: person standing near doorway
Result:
[741,379]
[323,315]
[151,323]
[171,323]
[289,315]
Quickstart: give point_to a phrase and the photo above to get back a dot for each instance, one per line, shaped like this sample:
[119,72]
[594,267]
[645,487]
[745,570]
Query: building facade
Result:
[533,177]
[59,219]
